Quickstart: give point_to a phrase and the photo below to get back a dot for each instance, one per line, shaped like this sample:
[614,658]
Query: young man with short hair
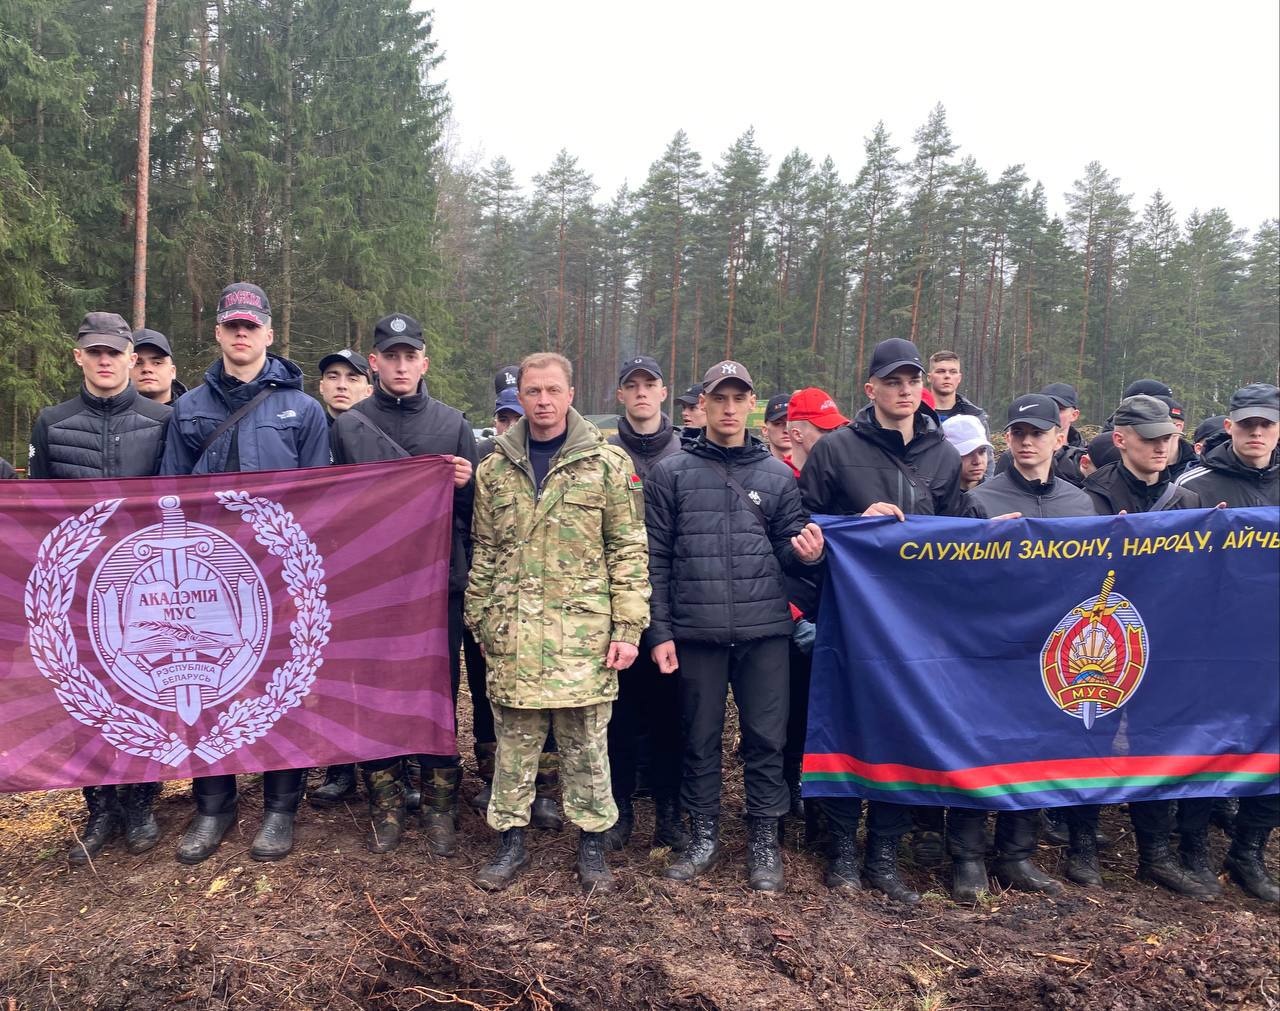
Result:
[774,432]
[250,414]
[944,383]
[692,417]
[970,440]
[344,381]
[154,373]
[647,711]
[1071,447]
[108,430]
[402,419]
[811,414]
[725,522]
[892,460]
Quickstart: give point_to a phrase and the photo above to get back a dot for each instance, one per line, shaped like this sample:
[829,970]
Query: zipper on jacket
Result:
[728,554]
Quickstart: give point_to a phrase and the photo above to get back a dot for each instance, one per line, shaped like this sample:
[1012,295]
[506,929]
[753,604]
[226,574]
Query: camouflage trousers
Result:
[582,734]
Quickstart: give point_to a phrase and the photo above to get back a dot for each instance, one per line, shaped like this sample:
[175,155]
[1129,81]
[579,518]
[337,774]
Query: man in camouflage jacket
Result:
[558,598]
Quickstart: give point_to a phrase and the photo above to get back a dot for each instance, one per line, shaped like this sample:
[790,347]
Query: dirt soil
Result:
[334,926]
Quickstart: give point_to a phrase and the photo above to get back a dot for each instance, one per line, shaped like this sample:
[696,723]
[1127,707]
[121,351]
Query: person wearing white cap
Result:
[966,433]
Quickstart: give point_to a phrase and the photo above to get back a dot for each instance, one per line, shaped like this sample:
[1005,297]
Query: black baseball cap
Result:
[397,329]
[1064,393]
[1103,450]
[722,372]
[104,330]
[1210,427]
[506,378]
[776,409]
[244,301]
[892,354]
[1148,416]
[1147,388]
[641,363]
[345,357]
[690,396]
[1175,409]
[152,339]
[1036,409]
[1257,400]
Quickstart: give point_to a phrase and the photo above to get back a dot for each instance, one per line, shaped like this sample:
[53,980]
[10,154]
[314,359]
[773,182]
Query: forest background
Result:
[303,145]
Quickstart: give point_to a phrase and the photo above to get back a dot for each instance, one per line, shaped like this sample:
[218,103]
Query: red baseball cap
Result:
[816,407]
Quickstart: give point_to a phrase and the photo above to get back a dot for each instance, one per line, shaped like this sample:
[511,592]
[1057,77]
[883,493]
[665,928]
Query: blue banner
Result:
[1038,663]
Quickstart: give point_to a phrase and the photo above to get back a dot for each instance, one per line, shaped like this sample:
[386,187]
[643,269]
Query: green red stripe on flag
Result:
[1053,774]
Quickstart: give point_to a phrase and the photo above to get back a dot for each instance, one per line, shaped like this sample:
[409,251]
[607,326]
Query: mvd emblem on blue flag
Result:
[1041,663]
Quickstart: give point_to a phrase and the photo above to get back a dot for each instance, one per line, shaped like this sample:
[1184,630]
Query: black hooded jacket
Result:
[88,436]
[864,463]
[646,451]
[717,574]
[419,425]
[1114,488]
[1224,477]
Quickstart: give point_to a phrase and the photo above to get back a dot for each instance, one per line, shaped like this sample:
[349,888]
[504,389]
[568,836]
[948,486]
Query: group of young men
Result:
[608,593]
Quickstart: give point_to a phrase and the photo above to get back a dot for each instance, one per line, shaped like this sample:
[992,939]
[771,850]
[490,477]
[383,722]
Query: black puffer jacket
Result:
[854,467]
[1114,488]
[646,451]
[1010,492]
[1224,477]
[420,425]
[716,574]
[88,436]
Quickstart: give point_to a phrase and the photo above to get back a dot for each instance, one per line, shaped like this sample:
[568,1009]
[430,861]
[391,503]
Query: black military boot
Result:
[1082,856]
[387,814]
[797,797]
[509,861]
[440,808]
[703,850]
[1193,848]
[764,857]
[620,833]
[968,880]
[668,826]
[1016,837]
[881,869]
[413,774]
[545,813]
[339,785]
[1053,827]
[593,872]
[140,829]
[926,848]
[842,867]
[1224,814]
[281,795]
[485,752]
[215,813]
[1244,863]
[106,821]
[1156,864]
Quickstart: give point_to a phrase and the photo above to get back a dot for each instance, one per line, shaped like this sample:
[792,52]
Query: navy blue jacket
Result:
[285,431]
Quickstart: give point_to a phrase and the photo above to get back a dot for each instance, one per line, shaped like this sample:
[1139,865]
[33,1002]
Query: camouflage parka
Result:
[557,575]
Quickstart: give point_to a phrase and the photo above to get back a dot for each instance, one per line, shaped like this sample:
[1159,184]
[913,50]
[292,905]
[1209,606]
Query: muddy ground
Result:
[337,927]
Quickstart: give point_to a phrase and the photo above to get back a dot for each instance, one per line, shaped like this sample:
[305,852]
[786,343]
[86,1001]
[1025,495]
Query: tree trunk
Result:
[560,290]
[675,309]
[286,224]
[995,343]
[697,330]
[866,292]
[1084,314]
[817,299]
[144,167]
[986,319]
[733,291]
[1100,397]
[964,251]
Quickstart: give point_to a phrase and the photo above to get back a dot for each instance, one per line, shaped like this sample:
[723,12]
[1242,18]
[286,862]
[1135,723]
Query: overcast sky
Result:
[1179,96]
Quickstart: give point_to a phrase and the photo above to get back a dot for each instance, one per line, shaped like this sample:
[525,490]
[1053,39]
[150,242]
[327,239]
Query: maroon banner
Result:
[161,628]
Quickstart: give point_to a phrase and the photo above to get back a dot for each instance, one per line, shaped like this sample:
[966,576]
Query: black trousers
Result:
[646,724]
[1259,813]
[758,673]
[882,818]
[281,791]
[477,670]
[1016,833]
[798,715]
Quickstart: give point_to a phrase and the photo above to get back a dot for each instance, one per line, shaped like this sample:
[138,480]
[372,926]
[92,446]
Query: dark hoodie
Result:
[855,466]
[646,451]
[285,431]
[175,391]
[1114,488]
[1224,477]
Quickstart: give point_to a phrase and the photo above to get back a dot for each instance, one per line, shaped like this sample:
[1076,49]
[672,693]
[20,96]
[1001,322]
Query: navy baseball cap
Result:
[641,363]
[345,357]
[1064,393]
[1209,428]
[890,355]
[508,401]
[397,329]
[776,409]
[1035,409]
[152,339]
[244,301]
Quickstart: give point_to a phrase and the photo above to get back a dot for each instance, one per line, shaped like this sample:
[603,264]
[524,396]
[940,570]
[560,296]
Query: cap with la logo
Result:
[397,329]
[505,379]
[724,371]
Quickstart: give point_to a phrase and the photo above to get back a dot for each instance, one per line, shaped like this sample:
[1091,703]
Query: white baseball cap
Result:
[965,432]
